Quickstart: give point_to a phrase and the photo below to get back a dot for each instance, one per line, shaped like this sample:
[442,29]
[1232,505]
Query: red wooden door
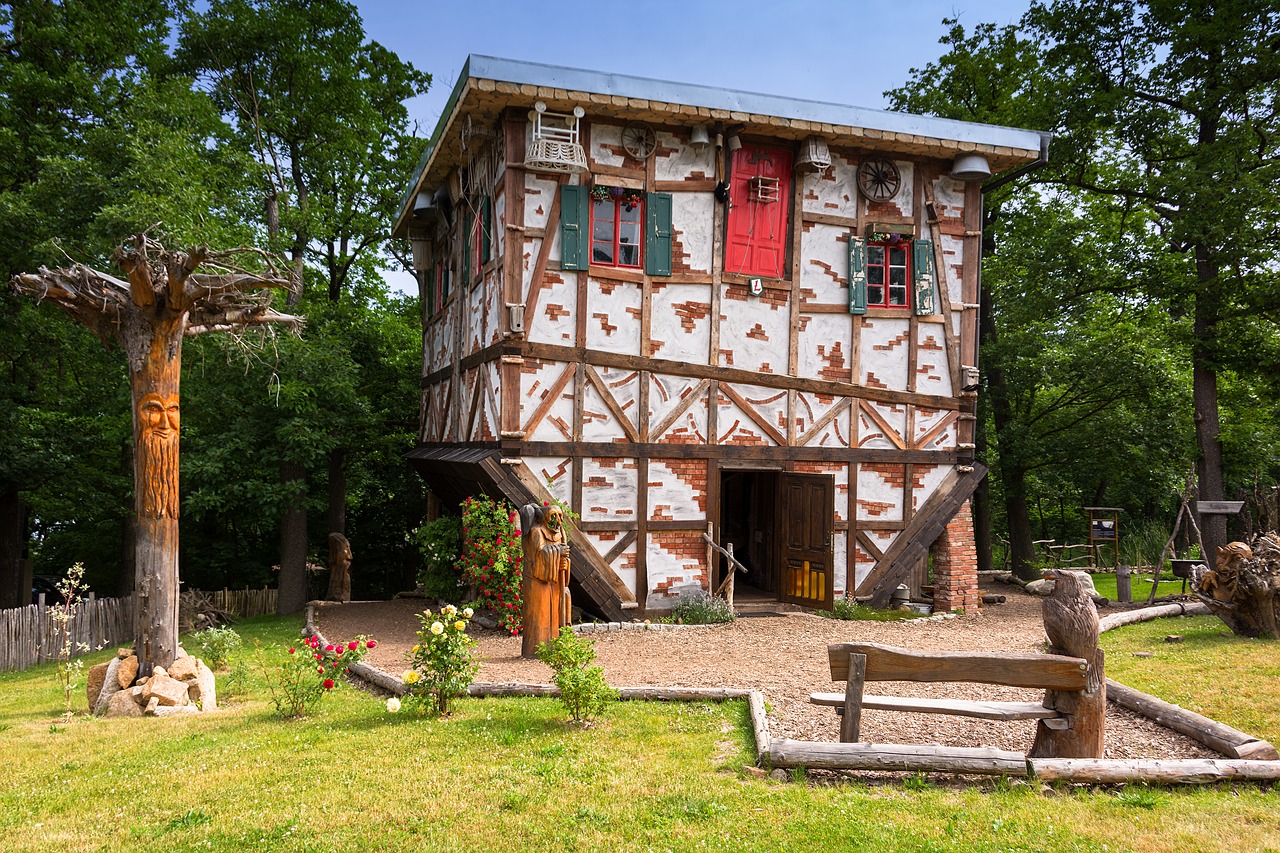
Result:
[759,199]
[806,506]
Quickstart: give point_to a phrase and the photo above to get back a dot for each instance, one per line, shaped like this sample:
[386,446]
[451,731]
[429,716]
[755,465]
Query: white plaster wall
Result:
[753,335]
[953,257]
[680,321]
[554,472]
[625,564]
[883,360]
[883,539]
[878,500]
[680,574]
[925,420]
[475,317]
[539,193]
[557,425]
[670,497]
[825,347]
[493,304]
[500,222]
[554,320]
[675,159]
[613,316]
[902,204]
[606,144]
[930,477]
[493,394]
[667,392]
[824,268]
[692,221]
[948,197]
[737,427]
[932,374]
[895,417]
[624,387]
[810,408]
[609,489]
[840,561]
[834,191]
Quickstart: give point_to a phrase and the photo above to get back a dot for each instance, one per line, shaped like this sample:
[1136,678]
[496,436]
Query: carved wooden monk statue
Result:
[545,584]
[339,568]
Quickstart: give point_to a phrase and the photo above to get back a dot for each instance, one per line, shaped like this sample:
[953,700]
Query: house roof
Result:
[488,84]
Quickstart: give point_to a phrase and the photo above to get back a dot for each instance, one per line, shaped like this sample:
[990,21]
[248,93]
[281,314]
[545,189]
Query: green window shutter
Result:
[430,289]
[575,218]
[657,235]
[486,229]
[466,251]
[922,272]
[857,275]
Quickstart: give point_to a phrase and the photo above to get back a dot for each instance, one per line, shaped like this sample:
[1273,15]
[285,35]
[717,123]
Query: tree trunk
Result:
[293,592]
[337,514]
[1204,396]
[154,382]
[13,535]
[128,534]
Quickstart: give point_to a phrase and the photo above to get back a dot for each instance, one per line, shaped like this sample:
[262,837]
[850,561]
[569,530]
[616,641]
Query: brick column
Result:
[955,566]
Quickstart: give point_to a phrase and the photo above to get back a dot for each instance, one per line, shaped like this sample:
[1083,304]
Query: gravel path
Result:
[786,658]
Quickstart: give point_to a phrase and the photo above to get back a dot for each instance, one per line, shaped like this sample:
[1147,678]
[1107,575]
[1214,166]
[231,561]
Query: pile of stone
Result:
[186,687]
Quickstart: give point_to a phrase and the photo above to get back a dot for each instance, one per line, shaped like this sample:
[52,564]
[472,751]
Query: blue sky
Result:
[845,52]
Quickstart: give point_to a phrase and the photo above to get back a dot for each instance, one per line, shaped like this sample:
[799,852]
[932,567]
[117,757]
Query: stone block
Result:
[169,710]
[201,688]
[165,690]
[128,671]
[110,687]
[122,704]
[183,668]
[93,682]
[152,704]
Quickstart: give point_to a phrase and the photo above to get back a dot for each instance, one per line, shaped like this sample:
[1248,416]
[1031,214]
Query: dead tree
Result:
[164,299]
[1243,588]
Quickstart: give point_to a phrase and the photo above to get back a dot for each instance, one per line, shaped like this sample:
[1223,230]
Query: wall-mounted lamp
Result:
[699,139]
[970,167]
[420,243]
[734,142]
[814,157]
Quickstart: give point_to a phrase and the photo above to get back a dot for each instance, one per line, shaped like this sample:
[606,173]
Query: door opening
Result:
[746,522]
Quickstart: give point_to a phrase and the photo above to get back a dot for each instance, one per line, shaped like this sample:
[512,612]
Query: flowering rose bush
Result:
[491,557]
[299,676]
[442,664]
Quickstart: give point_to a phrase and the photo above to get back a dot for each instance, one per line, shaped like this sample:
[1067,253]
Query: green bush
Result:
[216,645]
[440,542]
[851,611]
[583,689]
[700,608]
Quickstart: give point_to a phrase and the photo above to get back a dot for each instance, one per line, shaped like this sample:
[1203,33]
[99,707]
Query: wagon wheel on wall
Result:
[639,140]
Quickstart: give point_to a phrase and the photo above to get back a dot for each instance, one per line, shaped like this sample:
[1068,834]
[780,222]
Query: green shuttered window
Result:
[575,217]
[657,244]
[857,275]
[575,239]
[922,272]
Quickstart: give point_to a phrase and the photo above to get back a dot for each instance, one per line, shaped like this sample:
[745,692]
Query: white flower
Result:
[450,610]
[427,612]
[437,628]
[393,705]
[468,612]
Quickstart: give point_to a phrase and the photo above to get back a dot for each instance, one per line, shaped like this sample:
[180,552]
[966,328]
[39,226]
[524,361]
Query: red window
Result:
[477,246]
[616,229]
[888,274]
[441,286]
[759,201]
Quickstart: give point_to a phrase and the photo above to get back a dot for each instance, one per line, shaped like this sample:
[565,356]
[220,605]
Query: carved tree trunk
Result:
[292,595]
[1243,589]
[1087,712]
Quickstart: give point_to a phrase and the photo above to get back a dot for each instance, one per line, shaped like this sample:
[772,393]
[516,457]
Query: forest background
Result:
[1129,319]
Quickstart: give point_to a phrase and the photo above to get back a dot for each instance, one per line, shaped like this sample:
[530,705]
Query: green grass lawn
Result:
[512,775]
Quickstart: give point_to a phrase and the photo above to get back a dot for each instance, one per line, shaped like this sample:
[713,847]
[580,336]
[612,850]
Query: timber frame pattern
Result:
[626,394]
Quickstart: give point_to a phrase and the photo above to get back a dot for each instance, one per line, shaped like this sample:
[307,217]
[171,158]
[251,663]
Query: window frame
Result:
[905,246]
[619,203]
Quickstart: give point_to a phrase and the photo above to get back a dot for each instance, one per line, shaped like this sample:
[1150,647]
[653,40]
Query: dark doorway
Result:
[746,522]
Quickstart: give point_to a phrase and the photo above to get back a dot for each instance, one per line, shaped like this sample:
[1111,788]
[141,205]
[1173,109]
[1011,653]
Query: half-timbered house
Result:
[699,314]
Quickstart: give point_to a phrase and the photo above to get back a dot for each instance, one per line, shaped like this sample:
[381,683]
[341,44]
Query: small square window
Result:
[617,227]
[888,274]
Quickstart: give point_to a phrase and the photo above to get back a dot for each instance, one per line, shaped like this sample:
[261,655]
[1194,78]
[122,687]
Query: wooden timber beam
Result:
[912,544]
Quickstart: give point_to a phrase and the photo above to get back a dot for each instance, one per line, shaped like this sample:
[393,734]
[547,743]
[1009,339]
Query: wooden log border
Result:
[916,758]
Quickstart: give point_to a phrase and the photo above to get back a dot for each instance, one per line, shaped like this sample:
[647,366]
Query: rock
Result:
[110,686]
[128,671]
[201,688]
[1173,638]
[168,710]
[152,704]
[183,668]
[1040,587]
[1045,586]
[1144,654]
[779,775]
[123,653]
[93,682]
[159,670]
[122,704]
[165,690]
[755,772]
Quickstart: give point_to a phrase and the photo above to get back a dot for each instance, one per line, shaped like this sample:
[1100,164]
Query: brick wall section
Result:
[955,566]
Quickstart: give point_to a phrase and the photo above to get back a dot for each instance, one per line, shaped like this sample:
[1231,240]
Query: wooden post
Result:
[851,720]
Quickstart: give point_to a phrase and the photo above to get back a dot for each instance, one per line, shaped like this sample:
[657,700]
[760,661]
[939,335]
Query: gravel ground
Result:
[785,657]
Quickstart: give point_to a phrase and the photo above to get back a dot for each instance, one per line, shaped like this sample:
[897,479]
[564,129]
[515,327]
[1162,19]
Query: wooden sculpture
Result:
[545,584]
[1071,624]
[164,299]
[339,568]
[1243,588]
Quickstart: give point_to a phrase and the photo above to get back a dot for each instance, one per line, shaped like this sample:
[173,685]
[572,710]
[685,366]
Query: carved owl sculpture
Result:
[1070,618]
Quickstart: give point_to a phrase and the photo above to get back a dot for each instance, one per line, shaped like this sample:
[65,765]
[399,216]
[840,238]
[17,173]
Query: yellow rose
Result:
[417,649]
[459,625]
[410,676]
[437,628]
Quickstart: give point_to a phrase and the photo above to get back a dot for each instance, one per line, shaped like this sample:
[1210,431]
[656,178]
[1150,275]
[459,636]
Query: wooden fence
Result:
[29,635]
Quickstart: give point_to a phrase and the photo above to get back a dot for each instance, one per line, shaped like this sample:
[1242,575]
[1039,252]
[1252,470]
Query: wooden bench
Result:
[858,663]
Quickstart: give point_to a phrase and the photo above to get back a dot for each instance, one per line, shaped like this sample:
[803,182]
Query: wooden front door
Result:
[805,508]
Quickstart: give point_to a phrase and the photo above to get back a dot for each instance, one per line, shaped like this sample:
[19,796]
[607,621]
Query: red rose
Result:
[353,645]
[291,651]
[318,656]
[320,670]
[328,684]
[329,647]
[371,644]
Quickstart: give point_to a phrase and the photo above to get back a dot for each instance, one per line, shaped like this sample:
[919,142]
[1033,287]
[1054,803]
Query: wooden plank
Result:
[683,406]
[642,532]
[821,423]
[1232,743]
[1012,669]
[1218,507]
[618,547]
[944,295]
[1003,711]
[889,432]
[598,358]
[757,418]
[550,399]
[610,403]
[853,701]
[740,452]
[544,255]
[896,756]
[912,545]
[1187,771]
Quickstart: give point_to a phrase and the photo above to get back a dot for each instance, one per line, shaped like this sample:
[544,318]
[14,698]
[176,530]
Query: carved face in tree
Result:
[158,417]
[554,518]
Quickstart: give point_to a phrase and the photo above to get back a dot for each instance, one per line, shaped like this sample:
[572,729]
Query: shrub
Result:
[72,589]
[701,608]
[440,542]
[491,557]
[442,664]
[216,645]
[850,610]
[583,689]
[299,677]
